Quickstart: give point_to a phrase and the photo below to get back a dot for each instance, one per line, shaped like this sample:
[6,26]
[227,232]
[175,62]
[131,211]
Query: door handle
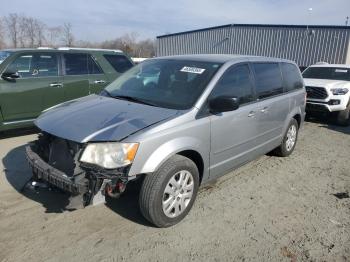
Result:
[56,85]
[251,114]
[99,82]
[264,110]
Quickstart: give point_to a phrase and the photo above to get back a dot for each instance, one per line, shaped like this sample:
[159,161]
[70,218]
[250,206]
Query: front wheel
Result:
[289,140]
[168,194]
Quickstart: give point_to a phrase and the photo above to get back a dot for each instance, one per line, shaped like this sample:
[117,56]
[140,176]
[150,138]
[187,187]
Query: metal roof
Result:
[258,25]
[222,58]
[41,48]
[332,65]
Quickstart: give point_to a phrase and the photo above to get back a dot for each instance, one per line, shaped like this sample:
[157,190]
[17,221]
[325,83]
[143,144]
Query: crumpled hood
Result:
[328,84]
[98,118]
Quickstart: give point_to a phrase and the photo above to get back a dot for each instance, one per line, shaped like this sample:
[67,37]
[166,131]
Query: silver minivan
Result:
[173,123]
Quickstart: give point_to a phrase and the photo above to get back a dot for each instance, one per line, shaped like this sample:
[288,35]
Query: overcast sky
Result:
[106,19]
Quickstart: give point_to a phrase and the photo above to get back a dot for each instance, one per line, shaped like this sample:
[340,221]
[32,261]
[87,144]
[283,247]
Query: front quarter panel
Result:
[158,144]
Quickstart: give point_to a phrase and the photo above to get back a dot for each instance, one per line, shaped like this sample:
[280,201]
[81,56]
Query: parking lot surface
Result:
[273,209]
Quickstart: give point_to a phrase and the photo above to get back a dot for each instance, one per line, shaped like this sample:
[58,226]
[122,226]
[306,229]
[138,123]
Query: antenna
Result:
[347,21]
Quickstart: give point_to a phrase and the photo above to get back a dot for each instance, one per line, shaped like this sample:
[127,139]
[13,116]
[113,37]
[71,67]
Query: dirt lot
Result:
[273,209]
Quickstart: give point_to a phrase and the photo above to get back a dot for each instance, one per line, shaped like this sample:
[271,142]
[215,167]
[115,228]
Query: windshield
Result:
[4,55]
[175,84]
[332,73]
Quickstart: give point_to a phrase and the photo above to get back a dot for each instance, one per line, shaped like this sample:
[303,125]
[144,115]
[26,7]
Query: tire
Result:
[343,117]
[285,149]
[153,198]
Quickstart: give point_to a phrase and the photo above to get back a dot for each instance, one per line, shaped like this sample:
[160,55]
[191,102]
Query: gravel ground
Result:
[272,209]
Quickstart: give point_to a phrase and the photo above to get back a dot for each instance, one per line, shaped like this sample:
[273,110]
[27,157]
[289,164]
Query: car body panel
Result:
[23,99]
[99,118]
[325,104]
[224,141]
[328,85]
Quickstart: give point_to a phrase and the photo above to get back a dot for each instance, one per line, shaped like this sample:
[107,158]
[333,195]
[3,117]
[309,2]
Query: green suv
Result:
[33,80]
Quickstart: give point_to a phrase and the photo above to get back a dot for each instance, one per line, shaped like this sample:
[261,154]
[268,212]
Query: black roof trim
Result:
[258,25]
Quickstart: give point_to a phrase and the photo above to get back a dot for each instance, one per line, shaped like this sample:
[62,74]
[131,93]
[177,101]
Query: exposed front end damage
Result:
[55,161]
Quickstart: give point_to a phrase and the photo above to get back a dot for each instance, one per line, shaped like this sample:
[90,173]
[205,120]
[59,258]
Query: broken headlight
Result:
[109,155]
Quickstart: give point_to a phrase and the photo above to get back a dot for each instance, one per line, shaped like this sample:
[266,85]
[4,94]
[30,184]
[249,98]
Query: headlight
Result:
[339,91]
[110,155]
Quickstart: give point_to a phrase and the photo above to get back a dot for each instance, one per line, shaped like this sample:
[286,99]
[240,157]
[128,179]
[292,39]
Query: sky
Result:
[107,19]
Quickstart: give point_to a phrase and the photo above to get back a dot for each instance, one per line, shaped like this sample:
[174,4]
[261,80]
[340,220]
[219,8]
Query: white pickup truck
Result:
[328,90]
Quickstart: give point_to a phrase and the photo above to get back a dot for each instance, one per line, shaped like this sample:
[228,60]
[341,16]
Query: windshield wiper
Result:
[134,99]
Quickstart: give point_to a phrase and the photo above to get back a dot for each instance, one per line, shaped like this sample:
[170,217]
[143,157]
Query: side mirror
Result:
[223,104]
[9,75]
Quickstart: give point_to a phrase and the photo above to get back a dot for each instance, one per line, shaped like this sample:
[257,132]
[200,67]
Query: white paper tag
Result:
[194,70]
[341,70]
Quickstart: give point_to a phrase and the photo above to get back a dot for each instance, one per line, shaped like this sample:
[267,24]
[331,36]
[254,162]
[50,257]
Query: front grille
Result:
[59,153]
[316,92]
[316,107]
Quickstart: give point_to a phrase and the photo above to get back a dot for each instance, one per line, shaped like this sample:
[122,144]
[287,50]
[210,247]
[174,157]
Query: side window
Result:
[22,65]
[35,65]
[45,65]
[76,64]
[119,62]
[93,66]
[268,81]
[235,82]
[291,77]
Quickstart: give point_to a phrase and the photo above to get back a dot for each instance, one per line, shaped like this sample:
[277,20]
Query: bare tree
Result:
[12,23]
[144,48]
[24,31]
[2,34]
[40,32]
[53,35]
[68,37]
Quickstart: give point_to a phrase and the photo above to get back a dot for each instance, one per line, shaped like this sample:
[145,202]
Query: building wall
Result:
[303,45]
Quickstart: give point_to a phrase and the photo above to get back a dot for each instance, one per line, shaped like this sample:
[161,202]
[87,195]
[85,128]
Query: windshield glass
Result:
[175,84]
[4,55]
[333,73]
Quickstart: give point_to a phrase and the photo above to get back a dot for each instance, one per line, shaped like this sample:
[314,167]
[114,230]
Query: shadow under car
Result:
[19,174]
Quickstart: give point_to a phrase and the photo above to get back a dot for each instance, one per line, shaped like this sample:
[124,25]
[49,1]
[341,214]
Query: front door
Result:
[233,134]
[37,87]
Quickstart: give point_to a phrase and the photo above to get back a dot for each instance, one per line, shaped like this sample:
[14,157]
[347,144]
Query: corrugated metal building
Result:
[305,45]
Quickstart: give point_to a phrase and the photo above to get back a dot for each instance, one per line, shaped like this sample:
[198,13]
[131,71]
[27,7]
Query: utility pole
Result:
[347,21]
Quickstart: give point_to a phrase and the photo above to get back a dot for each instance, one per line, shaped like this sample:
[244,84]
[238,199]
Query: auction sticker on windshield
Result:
[194,70]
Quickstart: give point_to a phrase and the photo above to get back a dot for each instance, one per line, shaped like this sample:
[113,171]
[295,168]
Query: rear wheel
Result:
[289,140]
[167,195]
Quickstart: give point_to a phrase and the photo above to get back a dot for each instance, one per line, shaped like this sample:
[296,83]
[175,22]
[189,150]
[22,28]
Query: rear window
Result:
[268,81]
[291,77]
[119,62]
[332,73]
[76,64]
[81,64]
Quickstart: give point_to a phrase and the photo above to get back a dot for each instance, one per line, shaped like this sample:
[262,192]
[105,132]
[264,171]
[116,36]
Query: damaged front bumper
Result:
[54,161]
[43,171]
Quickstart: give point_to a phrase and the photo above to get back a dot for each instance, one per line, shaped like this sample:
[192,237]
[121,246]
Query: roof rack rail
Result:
[44,47]
[91,49]
[321,63]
